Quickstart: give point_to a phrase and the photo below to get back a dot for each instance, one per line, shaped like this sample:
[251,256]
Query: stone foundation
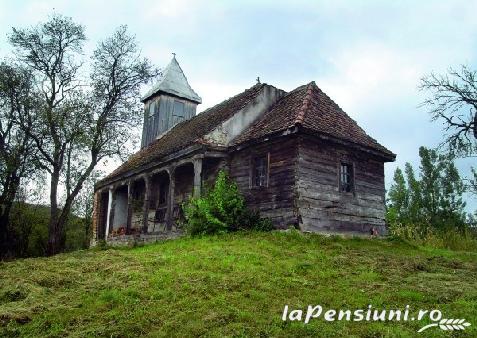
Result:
[137,239]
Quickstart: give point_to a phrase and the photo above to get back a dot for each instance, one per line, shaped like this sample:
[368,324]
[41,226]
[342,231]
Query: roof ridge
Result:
[306,103]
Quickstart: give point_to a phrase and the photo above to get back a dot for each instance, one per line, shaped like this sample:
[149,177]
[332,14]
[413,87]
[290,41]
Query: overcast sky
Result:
[366,55]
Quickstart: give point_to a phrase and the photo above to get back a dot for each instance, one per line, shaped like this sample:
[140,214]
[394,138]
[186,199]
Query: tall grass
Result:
[451,238]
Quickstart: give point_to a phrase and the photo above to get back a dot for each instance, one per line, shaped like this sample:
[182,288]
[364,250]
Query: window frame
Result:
[175,105]
[351,176]
[253,158]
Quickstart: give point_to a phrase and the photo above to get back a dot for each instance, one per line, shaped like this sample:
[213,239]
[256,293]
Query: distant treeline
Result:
[29,226]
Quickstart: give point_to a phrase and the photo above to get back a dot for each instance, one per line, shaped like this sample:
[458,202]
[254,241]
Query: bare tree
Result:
[17,98]
[453,100]
[84,120]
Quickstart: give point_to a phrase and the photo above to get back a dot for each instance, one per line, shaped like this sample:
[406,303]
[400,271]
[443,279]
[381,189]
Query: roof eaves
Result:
[384,152]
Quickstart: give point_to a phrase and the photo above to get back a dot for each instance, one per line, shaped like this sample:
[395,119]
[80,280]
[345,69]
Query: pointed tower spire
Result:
[173,81]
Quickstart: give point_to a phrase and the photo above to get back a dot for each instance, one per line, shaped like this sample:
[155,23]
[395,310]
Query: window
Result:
[179,111]
[151,109]
[260,171]
[346,177]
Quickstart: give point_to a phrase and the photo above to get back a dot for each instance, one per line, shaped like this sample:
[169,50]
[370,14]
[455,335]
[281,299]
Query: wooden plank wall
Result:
[322,206]
[159,116]
[277,201]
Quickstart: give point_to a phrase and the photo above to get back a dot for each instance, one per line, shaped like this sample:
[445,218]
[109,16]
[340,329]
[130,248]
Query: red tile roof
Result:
[309,107]
[188,132]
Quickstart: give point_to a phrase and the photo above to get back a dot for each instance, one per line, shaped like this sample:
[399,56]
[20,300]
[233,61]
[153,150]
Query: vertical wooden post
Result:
[197,176]
[170,203]
[130,207]
[145,207]
[111,210]
[108,211]
[97,207]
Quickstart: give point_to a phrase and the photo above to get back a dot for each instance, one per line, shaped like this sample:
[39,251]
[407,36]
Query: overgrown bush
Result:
[221,209]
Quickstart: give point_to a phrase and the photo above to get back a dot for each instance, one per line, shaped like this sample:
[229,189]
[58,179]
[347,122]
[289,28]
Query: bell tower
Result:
[170,101]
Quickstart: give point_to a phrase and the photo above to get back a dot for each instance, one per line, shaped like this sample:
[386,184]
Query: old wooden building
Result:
[296,156]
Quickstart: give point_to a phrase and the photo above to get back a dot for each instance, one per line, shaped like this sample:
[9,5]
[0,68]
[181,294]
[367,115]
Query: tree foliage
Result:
[433,200]
[83,119]
[17,98]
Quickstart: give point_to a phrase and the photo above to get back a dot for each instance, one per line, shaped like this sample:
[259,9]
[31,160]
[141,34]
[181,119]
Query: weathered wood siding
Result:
[322,207]
[161,113]
[277,200]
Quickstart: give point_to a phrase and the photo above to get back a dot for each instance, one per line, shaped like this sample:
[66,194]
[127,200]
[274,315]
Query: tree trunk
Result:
[4,231]
[58,220]
[54,230]
[6,204]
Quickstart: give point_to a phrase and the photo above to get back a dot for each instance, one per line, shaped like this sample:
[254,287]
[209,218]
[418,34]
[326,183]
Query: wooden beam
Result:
[197,176]
[130,207]
[170,202]
[145,207]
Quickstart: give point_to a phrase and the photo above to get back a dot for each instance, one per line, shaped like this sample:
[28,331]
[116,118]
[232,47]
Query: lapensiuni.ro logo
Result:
[371,314]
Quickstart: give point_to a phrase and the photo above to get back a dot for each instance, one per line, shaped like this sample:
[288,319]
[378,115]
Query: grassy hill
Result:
[235,285]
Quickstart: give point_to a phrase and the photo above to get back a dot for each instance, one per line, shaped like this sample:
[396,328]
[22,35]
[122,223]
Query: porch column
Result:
[197,176]
[111,209]
[145,207]
[108,218]
[130,207]
[170,203]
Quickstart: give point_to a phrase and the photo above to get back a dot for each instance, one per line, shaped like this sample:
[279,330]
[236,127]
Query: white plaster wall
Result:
[120,210]
[241,120]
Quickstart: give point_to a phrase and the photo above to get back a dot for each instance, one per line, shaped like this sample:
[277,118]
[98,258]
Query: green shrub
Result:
[222,209]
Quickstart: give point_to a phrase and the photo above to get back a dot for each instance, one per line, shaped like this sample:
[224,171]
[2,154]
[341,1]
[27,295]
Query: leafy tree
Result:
[452,204]
[415,195]
[17,97]
[431,169]
[84,119]
[433,200]
[399,199]
[442,189]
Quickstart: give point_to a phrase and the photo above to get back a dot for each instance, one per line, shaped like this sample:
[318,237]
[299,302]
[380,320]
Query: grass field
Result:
[236,285]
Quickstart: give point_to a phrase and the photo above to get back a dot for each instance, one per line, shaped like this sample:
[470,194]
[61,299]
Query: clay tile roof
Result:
[308,106]
[188,132]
